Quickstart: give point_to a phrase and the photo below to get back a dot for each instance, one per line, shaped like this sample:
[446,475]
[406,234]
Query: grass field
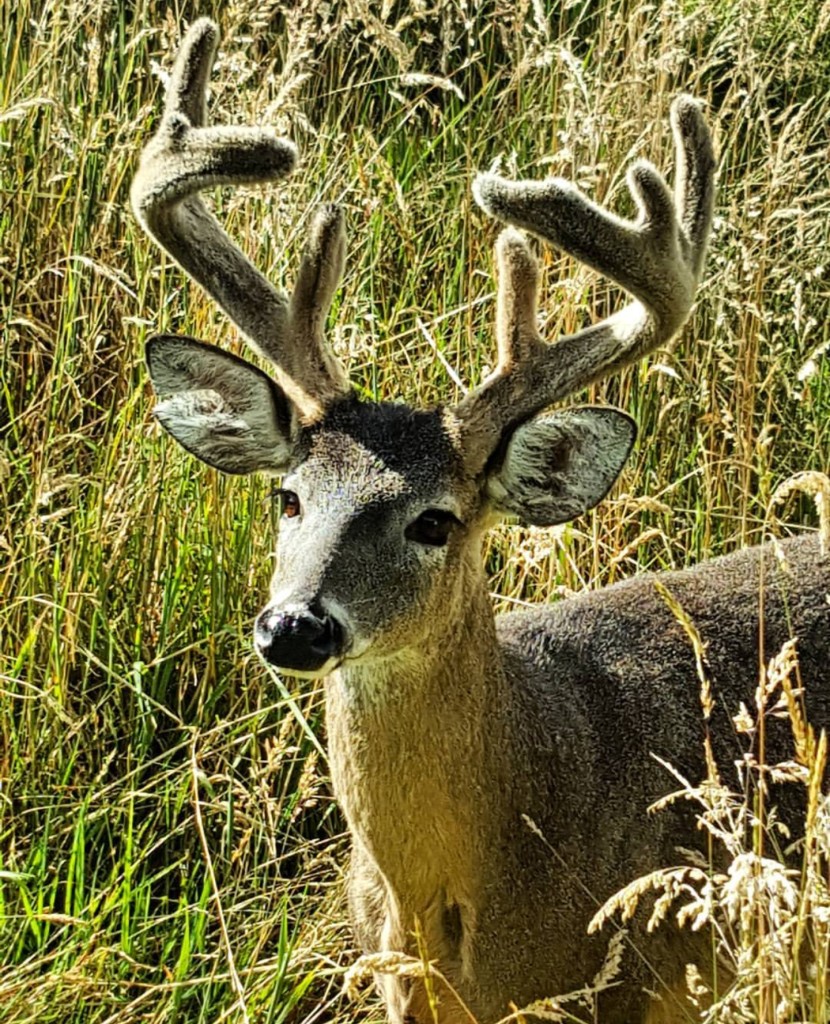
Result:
[169,848]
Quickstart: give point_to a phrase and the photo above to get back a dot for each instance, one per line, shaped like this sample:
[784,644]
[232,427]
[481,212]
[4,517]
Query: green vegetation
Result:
[169,849]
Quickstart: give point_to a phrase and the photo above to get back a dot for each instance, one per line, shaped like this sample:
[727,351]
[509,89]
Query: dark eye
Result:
[289,502]
[432,527]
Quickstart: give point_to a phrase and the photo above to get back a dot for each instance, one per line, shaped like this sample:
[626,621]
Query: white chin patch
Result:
[325,670]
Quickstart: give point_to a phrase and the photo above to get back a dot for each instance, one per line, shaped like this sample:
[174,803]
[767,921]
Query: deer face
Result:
[382,505]
[376,518]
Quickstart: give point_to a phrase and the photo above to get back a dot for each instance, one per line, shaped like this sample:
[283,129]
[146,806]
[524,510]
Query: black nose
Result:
[301,640]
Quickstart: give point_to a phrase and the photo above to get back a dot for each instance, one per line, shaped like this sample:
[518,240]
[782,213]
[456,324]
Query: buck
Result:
[494,772]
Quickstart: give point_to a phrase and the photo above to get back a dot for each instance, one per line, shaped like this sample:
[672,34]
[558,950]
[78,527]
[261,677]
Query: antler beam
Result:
[658,259]
[187,156]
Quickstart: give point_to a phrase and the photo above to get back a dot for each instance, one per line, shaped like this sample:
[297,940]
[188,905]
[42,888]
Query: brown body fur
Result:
[575,700]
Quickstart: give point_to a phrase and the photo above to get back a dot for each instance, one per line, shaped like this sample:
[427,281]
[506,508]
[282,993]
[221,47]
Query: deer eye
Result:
[289,502]
[432,527]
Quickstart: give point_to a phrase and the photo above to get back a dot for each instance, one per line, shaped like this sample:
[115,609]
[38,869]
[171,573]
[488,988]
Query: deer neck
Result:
[416,743]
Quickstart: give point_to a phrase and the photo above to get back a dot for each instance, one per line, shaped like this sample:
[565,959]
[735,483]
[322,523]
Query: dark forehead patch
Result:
[414,443]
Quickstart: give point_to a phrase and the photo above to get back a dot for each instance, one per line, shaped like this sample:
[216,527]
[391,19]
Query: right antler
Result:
[185,157]
[658,259]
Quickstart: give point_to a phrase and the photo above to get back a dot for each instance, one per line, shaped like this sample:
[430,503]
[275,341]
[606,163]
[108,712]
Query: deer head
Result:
[384,505]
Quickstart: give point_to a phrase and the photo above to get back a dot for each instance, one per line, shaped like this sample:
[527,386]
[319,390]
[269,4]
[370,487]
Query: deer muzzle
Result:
[305,640]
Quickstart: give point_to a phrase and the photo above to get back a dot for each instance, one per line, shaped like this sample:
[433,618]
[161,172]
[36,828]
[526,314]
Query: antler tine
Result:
[317,279]
[658,259]
[185,157]
[517,335]
[694,189]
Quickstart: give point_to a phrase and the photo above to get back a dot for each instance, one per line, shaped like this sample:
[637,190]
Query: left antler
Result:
[185,157]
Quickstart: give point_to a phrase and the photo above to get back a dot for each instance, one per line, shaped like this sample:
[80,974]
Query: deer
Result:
[494,771]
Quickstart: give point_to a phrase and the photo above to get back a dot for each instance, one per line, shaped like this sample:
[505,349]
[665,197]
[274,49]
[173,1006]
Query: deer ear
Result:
[556,467]
[223,410]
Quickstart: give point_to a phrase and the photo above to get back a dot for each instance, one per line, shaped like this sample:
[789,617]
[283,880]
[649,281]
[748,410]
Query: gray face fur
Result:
[368,473]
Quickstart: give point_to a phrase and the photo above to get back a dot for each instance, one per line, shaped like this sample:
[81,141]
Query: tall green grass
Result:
[169,849]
